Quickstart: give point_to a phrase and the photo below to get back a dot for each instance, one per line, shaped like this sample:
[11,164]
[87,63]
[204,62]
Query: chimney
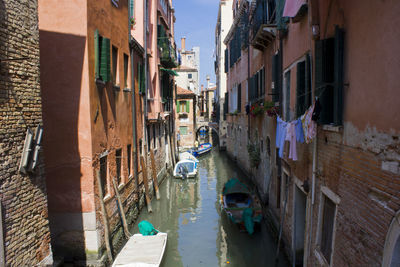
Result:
[202,88]
[183,40]
[208,81]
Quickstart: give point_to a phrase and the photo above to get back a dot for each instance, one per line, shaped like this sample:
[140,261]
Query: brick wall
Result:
[23,197]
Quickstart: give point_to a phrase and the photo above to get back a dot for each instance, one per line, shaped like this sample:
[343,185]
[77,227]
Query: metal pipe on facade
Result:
[133,99]
[145,20]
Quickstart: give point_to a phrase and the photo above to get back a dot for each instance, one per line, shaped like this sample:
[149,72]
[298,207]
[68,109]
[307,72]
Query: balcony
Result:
[168,57]
[263,25]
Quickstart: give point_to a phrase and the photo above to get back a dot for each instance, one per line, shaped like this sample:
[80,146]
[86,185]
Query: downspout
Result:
[145,19]
[133,97]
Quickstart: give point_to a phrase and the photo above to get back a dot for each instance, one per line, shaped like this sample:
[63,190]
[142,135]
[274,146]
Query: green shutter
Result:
[105,60]
[178,108]
[187,106]
[308,96]
[300,88]
[96,54]
[139,75]
[131,8]
[338,76]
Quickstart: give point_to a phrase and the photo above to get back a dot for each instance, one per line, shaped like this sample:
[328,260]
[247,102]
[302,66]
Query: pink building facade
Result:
[338,197]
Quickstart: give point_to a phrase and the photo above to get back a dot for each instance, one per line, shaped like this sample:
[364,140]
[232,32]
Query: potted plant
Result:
[132,21]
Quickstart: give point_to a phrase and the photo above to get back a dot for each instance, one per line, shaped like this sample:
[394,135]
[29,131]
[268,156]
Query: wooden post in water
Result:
[153,169]
[146,185]
[121,208]
[105,220]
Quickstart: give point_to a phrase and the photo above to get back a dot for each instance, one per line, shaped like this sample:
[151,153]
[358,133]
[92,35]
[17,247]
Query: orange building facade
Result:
[106,104]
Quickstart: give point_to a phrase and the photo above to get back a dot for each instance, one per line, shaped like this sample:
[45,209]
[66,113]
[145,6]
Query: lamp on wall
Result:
[315,31]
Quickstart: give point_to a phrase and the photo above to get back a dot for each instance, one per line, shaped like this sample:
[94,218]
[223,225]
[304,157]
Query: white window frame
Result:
[326,192]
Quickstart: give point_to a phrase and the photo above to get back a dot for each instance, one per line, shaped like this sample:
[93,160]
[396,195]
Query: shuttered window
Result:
[178,109]
[328,219]
[329,57]
[239,98]
[141,80]
[183,130]
[126,60]
[105,71]
[118,157]
[132,8]
[303,86]
[276,73]
[187,106]
[226,60]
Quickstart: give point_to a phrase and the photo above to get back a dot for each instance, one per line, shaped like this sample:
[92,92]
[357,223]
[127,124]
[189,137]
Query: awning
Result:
[171,72]
[292,7]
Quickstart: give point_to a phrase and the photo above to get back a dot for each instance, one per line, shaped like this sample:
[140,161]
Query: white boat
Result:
[186,169]
[202,149]
[142,251]
[189,156]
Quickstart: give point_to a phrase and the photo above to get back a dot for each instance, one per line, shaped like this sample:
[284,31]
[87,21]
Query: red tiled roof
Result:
[182,91]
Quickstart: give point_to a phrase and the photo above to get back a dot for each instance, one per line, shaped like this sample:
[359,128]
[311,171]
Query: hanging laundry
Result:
[291,137]
[309,126]
[280,135]
[299,131]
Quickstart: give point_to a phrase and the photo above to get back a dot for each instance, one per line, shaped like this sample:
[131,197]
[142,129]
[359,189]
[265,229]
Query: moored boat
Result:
[185,169]
[202,149]
[241,206]
[144,249]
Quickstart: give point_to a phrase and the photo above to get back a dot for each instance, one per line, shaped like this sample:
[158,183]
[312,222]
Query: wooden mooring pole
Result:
[121,208]
[154,171]
[105,220]
[146,185]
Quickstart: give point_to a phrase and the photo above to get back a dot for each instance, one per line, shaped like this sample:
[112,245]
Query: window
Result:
[140,147]
[303,86]
[276,77]
[183,106]
[189,76]
[126,60]
[102,57]
[327,227]
[183,130]
[114,64]
[148,138]
[118,156]
[141,80]
[286,96]
[103,174]
[132,8]
[278,191]
[239,98]
[129,158]
[329,77]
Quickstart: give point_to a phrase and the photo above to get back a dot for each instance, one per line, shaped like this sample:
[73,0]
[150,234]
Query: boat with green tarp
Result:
[241,205]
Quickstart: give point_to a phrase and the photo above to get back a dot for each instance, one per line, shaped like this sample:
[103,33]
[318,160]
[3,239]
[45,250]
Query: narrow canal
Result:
[199,233]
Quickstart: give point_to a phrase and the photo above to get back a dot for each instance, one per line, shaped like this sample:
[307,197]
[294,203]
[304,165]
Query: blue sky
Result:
[196,20]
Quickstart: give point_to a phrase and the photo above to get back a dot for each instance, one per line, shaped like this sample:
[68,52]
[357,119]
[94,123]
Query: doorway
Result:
[300,209]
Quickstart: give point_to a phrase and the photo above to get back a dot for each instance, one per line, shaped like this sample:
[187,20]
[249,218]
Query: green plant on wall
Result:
[254,155]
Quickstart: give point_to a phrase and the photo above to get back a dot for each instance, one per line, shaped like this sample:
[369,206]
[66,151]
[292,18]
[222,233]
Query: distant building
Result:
[189,70]
[224,22]
[24,222]
[185,117]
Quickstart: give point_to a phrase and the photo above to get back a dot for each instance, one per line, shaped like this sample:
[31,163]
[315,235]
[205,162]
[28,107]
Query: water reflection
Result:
[199,234]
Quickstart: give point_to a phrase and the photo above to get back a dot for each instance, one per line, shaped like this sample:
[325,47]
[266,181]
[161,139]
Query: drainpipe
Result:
[133,99]
[145,19]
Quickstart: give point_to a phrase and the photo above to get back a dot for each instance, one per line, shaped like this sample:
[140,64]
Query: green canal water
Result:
[199,233]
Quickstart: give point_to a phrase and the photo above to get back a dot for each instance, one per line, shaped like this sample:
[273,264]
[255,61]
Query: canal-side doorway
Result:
[299,223]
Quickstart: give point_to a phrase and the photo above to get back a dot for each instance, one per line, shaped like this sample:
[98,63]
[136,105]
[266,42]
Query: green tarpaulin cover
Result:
[146,228]
[235,186]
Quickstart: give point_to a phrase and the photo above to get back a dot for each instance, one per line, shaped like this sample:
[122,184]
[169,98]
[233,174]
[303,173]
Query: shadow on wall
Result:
[61,77]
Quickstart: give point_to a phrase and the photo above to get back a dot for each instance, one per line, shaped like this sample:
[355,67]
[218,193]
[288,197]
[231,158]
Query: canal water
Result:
[199,233]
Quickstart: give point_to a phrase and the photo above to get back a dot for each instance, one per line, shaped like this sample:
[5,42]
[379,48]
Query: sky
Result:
[196,20]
